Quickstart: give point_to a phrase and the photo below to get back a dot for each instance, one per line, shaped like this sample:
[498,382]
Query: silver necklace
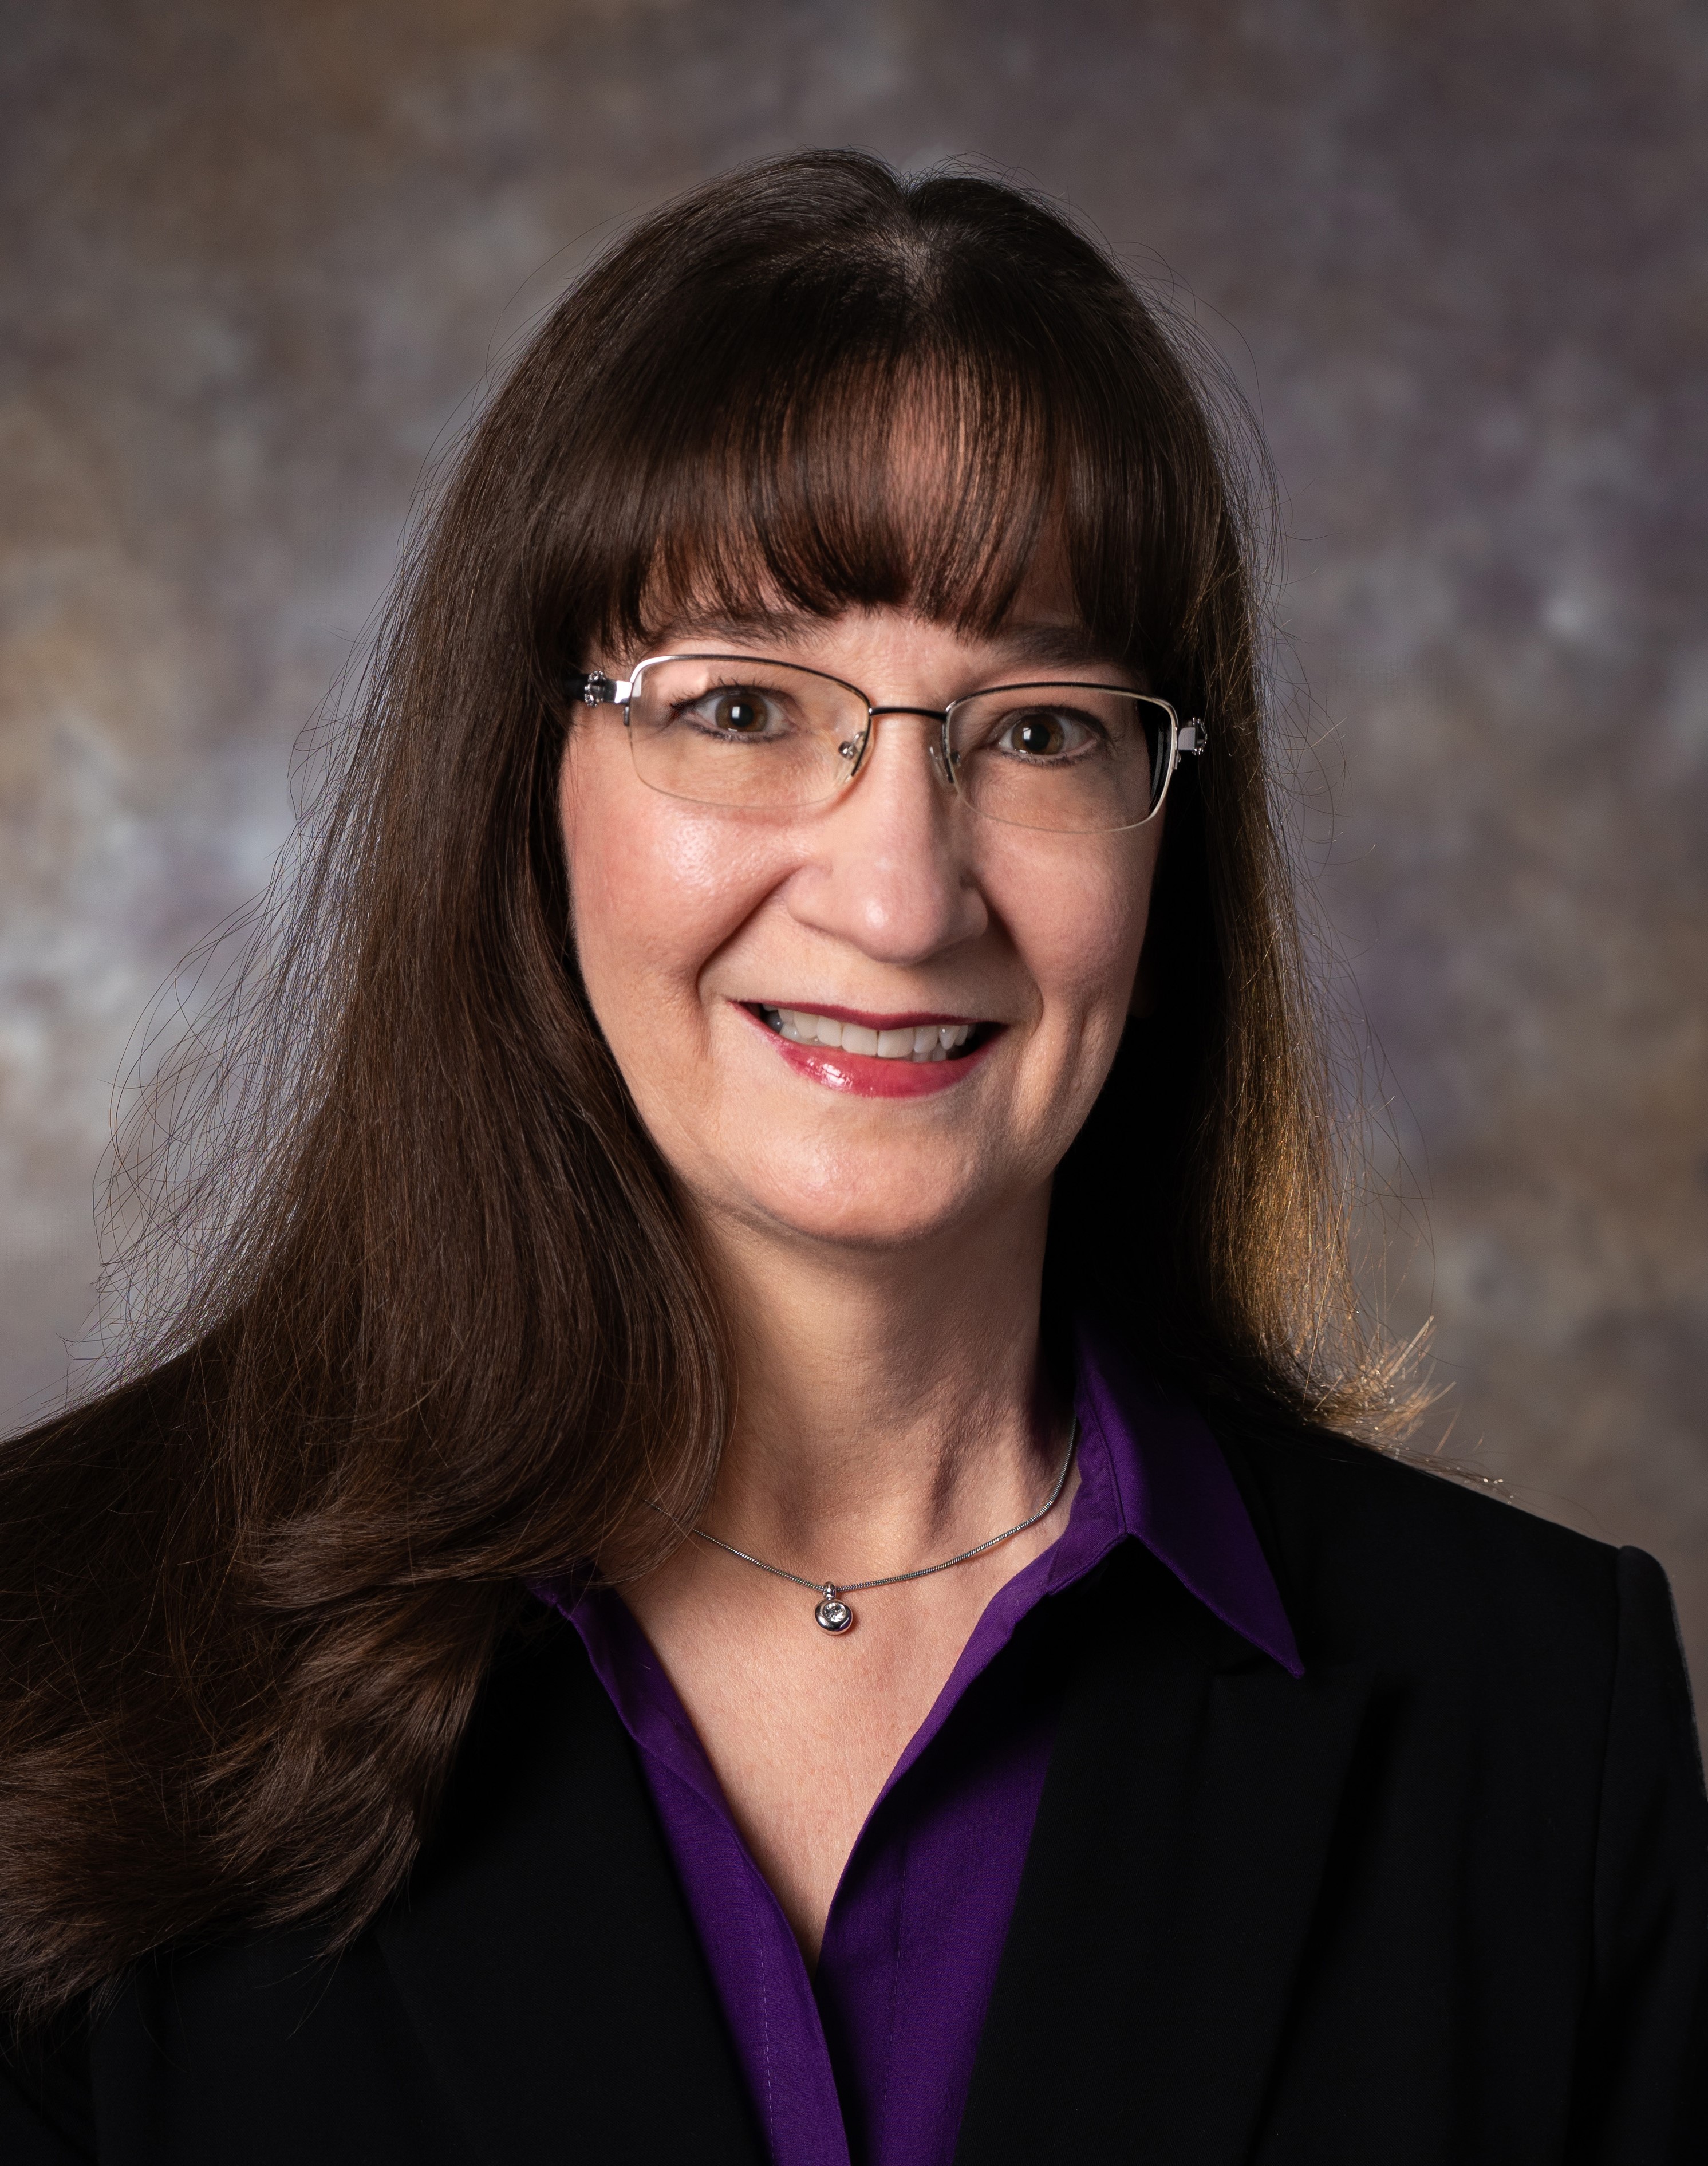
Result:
[833,1613]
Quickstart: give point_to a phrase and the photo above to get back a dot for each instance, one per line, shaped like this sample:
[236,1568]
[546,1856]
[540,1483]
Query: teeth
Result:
[810,1029]
[926,1041]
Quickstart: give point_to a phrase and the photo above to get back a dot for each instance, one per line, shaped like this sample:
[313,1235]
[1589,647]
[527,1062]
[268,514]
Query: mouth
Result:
[921,1039]
[876,1056]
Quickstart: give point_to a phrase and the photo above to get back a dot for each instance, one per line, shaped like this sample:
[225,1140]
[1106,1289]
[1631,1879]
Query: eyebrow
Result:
[1060,646]
[1069,646]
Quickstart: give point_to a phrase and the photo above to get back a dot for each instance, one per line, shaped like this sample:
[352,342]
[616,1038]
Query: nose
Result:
[891,870]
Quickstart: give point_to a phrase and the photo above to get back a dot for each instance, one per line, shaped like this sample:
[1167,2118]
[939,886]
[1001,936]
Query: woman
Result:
[748,1539]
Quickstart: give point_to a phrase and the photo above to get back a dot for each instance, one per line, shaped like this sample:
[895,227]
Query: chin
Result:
[885,1205]
[865,1230]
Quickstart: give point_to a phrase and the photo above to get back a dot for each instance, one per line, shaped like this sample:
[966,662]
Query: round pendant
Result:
[833,1613]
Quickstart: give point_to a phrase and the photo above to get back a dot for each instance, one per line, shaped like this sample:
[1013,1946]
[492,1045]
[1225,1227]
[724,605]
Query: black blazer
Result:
[1445,1902]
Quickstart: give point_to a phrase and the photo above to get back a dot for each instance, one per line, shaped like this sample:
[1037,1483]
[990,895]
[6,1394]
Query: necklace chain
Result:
[833,1615]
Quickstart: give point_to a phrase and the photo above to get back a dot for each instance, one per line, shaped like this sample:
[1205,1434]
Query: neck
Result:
[890,1403]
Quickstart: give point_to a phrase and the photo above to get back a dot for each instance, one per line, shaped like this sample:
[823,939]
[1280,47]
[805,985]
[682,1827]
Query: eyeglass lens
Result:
[1076,759]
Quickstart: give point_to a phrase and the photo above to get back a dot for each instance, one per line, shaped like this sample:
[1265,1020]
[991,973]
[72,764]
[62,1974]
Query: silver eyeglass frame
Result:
[593,689]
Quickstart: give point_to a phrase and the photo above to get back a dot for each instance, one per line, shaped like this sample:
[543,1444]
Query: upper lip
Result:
[908,1019]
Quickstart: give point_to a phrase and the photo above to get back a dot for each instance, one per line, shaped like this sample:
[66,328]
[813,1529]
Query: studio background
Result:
[259,260]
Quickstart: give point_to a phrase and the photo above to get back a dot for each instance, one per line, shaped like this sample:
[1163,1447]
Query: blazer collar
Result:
[1170,1488]
[1181,1844]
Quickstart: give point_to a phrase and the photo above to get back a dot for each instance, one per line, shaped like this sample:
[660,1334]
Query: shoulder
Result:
[1380,1557]
[120,1433]
[1529,1672]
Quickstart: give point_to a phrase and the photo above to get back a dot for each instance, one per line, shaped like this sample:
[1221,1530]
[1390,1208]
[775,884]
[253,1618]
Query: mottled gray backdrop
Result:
[259,259]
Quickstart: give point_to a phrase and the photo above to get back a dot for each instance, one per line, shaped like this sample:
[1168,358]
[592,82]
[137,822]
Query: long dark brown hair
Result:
[417,1318]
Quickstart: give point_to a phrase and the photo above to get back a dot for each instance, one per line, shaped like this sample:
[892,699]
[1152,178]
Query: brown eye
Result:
[740,713]
[1044,733]
[1040,735]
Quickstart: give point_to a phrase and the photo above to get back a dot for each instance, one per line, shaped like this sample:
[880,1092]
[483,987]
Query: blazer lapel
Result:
[1169,1891]
[543,1951]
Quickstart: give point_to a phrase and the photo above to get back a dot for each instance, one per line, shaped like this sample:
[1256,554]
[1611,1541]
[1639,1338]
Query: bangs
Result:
[867,486]
[895,415]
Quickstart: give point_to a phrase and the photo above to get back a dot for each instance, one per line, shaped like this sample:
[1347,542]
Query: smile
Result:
[920,1042]
[876,1056]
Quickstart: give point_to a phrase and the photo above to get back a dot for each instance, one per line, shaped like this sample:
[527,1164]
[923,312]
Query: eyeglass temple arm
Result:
[593,689]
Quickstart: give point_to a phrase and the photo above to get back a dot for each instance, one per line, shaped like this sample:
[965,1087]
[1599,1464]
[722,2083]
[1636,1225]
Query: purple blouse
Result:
[869,2061]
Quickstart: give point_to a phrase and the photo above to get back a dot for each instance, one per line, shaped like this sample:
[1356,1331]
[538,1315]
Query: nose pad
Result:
[944,763]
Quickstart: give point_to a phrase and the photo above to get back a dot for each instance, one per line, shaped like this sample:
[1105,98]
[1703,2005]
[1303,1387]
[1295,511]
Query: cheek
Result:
[1077,917]
[655,888]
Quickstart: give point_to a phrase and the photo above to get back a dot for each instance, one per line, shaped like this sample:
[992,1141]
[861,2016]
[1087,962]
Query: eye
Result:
[734,710]
[743,713]
[1043,733]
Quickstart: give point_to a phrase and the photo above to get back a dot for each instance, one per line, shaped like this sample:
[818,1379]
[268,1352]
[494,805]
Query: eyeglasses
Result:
[730,730]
